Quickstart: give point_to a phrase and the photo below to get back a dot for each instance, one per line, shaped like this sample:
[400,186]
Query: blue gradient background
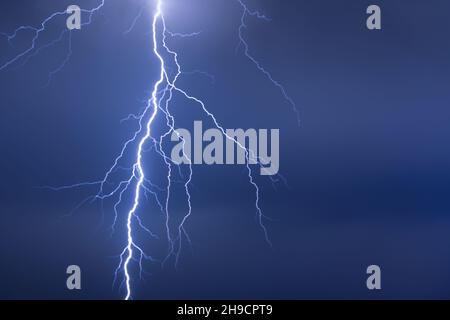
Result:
[368,170]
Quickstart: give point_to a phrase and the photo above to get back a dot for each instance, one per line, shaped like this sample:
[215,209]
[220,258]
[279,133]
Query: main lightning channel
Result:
[139,166]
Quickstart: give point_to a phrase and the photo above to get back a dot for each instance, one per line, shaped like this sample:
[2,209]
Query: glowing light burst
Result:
[138,182]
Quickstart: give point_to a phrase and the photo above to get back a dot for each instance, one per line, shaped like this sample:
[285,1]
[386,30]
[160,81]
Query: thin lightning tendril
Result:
[242,42]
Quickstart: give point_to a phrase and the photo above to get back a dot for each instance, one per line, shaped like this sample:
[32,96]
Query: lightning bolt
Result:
[134,179]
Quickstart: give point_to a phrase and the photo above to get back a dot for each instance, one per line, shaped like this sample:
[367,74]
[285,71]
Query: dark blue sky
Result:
[368,169]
